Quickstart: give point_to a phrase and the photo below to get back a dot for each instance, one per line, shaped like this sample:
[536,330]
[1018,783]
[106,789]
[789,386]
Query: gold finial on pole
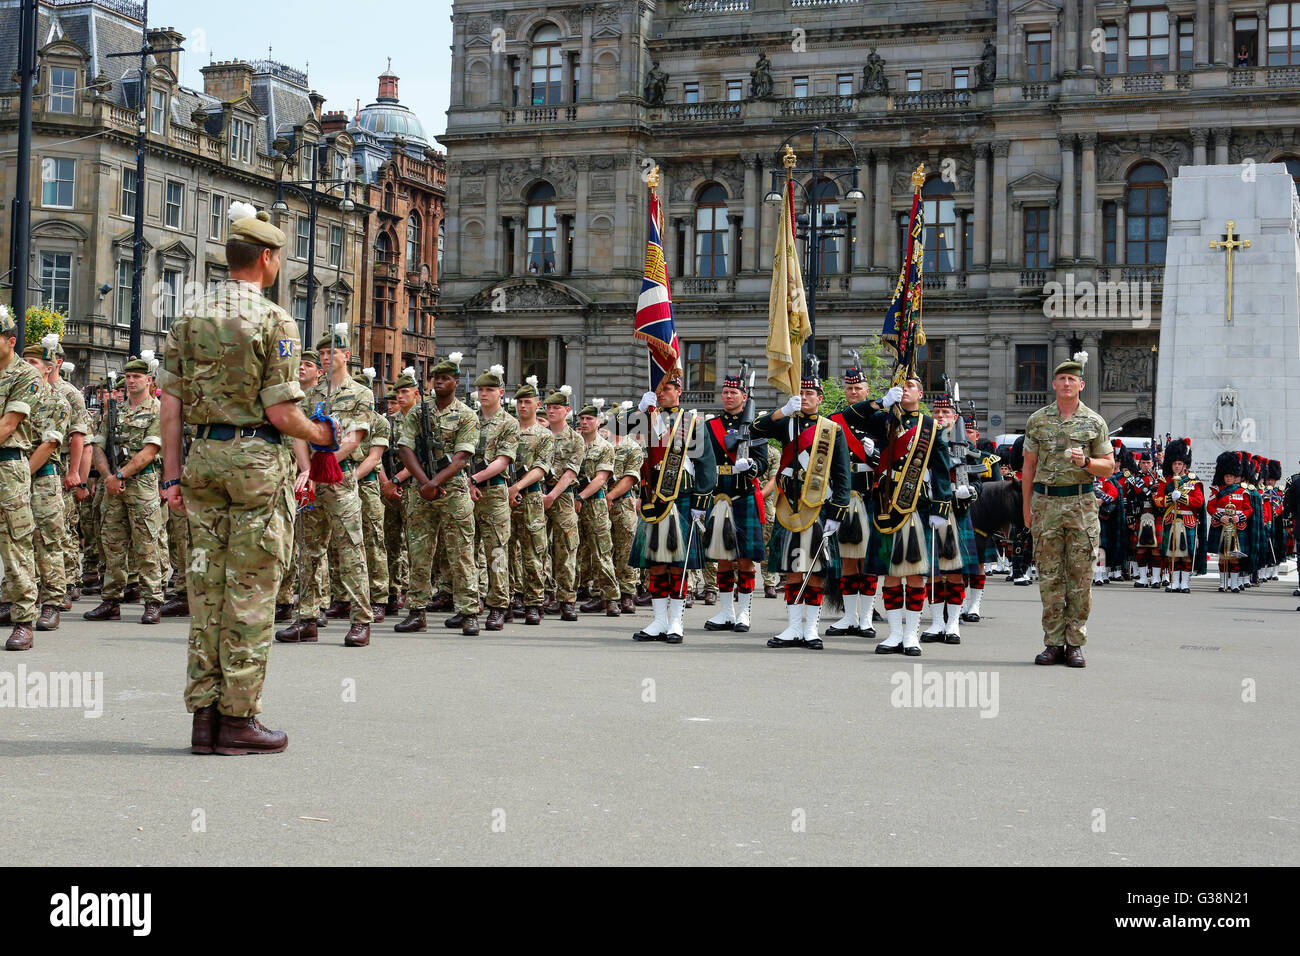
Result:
[652,178]
[918,178]
[789,161]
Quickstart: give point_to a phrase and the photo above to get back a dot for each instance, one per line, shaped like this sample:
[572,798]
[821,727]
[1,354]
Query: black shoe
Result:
[778,642]
[868,632]
[952,638]
[643,636]
[814,645]
[912,651]
[672,638]
[970,617]
[834,631]
[728,626]
[932,637]
[896,649]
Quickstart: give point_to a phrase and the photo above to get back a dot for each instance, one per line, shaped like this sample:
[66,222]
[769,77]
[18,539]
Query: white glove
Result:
[938,522]
[892,397]
[741,465]
[868,445]
[1176,495]
[647,401]
[795,404]
[831,526]
[697,515]
[964,491]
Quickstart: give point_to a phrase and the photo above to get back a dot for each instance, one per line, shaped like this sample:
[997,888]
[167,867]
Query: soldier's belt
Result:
[147,469]
[496,480]
[12,454]
[46,469]
[535,487]
[1062,491]
[861,467]
[373,476]
[268,433]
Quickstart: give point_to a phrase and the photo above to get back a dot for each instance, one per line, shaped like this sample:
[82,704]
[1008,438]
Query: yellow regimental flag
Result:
[787,307]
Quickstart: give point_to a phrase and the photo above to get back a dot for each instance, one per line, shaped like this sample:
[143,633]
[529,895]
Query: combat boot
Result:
[180,607]
[246,735]
[131,594]
[552,606]
[533,615]
[339,609]
[152,613]
[66,603]
[584,593]
[470,625]
[596,603]
[496,619]
[49,619]
[377,611]
[203,730]
[358,635]
[5,609]
[568,611]
[21,638]
[517,604]
[414,622]
[393,605]
[283,613]
[627,604]
[108,610]
[299,632]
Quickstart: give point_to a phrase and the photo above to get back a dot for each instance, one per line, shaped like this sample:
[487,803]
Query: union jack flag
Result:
[654,307]
[902,330]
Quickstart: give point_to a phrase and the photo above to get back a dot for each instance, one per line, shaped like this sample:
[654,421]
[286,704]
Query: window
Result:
[514,81]
[129,191]
[930,359]
[1148,41]
[412,316]
[1147,215]
[1110,55]
[175,206]
[1186,37]
[63,85]
[413,242]
[1283,34]
[735,90]
[941,249]
[304,237]
[800,86]
[712,232]
[442,238]
[534,354]
[125,278]
[169,295]
[217,217]
[385,304]
[541,229]
[241,140]
[1245,41]
[1293,167]
[913,81]
[157,110]
[1038,57]
[383,248]
[844,84]
[575,77]
[1108,232]
[509,229]
[57,181]
[300,314]
[1031,368]
[961,78]
[1036,238]
[701,366]
[334,311]
[336,246]
[339,165]
[690,92]
[546,66]
[56,280]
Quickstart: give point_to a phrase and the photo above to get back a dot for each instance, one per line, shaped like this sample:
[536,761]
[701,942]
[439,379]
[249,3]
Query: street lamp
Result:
[316,190]
[809,228]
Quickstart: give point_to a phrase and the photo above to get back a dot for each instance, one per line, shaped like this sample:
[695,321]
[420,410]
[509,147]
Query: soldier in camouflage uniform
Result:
[292,571]
[92,508]
[394,474]
[70,455]
[19,390]
[337,511]
[623,500]
[533,463]
[561,519]
[178,538]
[369,474]
[493,462]
[444,432]
[1067,445]
[593,512]
[132,519]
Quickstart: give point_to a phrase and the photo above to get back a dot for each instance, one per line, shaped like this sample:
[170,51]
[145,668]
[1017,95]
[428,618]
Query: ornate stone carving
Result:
[478,25]
[1126,369]
[1002,147]
[573,17]
[656,84]
[760,78]
[874,81]
[535,294]
[1088,141]
[982,150]
[987,70]
[513,22]
[1227,416]
[1256,144]
[1116,155]
[607,15]
[471,191]
[602,161]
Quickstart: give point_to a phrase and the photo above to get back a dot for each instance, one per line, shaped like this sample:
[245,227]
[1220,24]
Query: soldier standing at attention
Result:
[74,440]
[236,489]
[394,473]
[623,501]
[132,516]
[50,416]
[593,511]
[498,446]
[292,572]
[561,518]
[19,387]
[369,473]
[528,524]
[1067,445]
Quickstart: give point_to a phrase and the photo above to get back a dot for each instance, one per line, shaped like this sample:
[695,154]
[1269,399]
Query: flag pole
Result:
[652,180]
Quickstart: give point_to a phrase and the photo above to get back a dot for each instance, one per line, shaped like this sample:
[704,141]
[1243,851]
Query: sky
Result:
[343,46]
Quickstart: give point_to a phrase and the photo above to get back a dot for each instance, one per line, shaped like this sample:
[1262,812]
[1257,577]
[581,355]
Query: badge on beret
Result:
[286,347]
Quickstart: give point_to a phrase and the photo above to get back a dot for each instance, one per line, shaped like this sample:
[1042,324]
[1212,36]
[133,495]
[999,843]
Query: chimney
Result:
[228,80]
[317,101]
[335,121]
[162,38]
[388,85]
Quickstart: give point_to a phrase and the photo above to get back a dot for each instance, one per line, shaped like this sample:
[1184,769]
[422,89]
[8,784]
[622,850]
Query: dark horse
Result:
[998,509]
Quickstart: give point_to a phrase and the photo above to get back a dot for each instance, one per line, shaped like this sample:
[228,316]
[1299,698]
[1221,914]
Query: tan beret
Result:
[258,231]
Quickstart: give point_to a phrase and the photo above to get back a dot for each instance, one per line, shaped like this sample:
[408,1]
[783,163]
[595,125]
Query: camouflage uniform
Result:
[498,435]
[447,523]
[178,527]
[1065,529]
[131,523]
[628,456]
[594,518]
[561,519]
[78,424]
[49,418]
[20,387]
[528,525]
[89,509]
[238,492]
[337,511]
[399,571]
[372,512]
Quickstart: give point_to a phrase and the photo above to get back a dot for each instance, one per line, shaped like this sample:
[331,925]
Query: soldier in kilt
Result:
[958,554]
[858,588]
[677,481]
[733,531]
[812,503]
[1182,500]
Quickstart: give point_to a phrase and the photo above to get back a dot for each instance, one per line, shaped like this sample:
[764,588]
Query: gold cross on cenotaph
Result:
[1230,244]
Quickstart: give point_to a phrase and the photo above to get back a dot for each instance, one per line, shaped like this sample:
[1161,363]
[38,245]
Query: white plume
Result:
[473,396]
[531,380]
[153,366]
[409,371]
[566,390]
[242,210]
[146,355]
[4,311]
[341,328]
[455,357]
[112,375]
[497,370]
[1081,358]
[50,341]
[69,368]
[369,373]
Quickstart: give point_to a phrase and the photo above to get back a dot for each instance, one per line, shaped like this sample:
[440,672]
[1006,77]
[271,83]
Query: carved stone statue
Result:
[760,78]
[656,84]
[874,81]
[1227,423]
[987,71]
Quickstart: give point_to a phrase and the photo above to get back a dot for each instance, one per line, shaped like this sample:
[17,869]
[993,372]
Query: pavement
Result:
[572,744]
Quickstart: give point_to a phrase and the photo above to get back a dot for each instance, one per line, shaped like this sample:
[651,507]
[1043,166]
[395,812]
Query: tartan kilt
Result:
[646,534]
[747,526]
[1168,541]
[858,527]
[970,554]
[786,547]
[879,556]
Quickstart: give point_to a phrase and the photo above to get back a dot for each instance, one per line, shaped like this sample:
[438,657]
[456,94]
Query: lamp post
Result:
[316,190]
[812,231]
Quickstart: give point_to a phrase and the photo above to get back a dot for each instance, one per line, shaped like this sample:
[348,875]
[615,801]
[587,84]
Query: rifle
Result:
[958,444]
[111,450]
[425,442]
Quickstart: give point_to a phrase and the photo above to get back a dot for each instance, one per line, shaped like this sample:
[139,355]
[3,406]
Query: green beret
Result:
[404,381]
[258,231]
[310,355]
[35,351]
[489,379]
[557,398]
[445,368]
[1069,367]
[589,410]
[332,339]
[525,391]
[361,380]
[7,324]
[137,365]
[390,396]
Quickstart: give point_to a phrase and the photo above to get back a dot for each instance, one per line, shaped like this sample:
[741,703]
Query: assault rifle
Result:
[428,447]
[111,450]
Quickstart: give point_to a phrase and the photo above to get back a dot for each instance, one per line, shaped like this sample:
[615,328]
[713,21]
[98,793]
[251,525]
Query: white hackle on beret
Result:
[498,370]
[531,380]
[455,357]
[1081,358]
[242,210]
[409,371]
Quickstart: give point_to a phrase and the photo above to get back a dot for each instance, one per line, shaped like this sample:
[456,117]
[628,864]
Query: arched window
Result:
[826,206]
[541,229]
[383,248]
[712,232]
[546,66]
[1147,211]
[442,239]
[413,241]
[941,244]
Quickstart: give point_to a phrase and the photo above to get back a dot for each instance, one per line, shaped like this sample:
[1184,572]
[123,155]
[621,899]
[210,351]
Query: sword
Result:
[826,539]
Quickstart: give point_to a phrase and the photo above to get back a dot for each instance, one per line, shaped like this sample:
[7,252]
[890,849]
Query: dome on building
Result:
[387,118]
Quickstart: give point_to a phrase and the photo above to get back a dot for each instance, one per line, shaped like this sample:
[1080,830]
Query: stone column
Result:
[1066,141]
[1221,138]
[1201,33]
[1059,347]
[566,74]
[1123,42]
[749,219]
[459,21]
[1017,234]
[1222,48]
[1200,136]
[1121,239]
[998,234]
[521,245]
[1054,217]
[554,374]
[999,384]
[688,261]
[493,251]
[769,215]
[584,81]
[582,219]
[1018,52]
[884,227]
[670,243]
[1091,59]
[980,247]
[627,78]
[623,251]
[1054,53]
[861,234]
[451,216]
[575,365]
[1070,33]
[1092,373]
[562,226]
[736,225]
[1088,201]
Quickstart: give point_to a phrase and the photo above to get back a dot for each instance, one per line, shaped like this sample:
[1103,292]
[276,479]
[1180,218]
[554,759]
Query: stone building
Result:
[250,129]
[1050,130]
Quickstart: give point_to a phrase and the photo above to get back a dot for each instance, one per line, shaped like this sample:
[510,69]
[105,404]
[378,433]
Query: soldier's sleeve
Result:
[380,431]
[280,374]
[48,420]
[940,483]
[869,416]
[568,455]
[407,428]
[604,460]
[759,455]
[169,369]
[17,392]
[78,419]
[545,456]
[466,434]
[1101,446]
[837,509]
[706,475]
[1031,440]
[764,427]
[508,440]
[632,464]
[153,434]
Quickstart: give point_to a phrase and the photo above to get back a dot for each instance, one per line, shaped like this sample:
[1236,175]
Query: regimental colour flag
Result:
[787,305]
[902,330]
[654,307]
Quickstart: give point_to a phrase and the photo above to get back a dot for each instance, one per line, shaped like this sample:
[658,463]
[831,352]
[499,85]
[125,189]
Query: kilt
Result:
[788,552]
[855,534]
[916,532]
[744,536]
[1174,547]
[644,553]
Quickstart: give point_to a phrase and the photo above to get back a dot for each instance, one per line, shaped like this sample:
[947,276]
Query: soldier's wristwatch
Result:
[119,476]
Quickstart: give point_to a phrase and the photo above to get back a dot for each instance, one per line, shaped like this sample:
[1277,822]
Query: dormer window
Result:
[241,140]
[157,110]
[63,85]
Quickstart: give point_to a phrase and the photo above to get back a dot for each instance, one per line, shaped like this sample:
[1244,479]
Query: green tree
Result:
[41,321]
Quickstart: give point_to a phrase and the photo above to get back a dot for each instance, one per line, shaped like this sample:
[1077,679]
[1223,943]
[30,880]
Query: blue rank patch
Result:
[286,347]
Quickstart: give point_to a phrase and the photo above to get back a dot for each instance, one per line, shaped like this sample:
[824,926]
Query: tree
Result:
[41,321]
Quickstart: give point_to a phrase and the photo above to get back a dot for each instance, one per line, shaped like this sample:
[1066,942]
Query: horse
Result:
[1000,504]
